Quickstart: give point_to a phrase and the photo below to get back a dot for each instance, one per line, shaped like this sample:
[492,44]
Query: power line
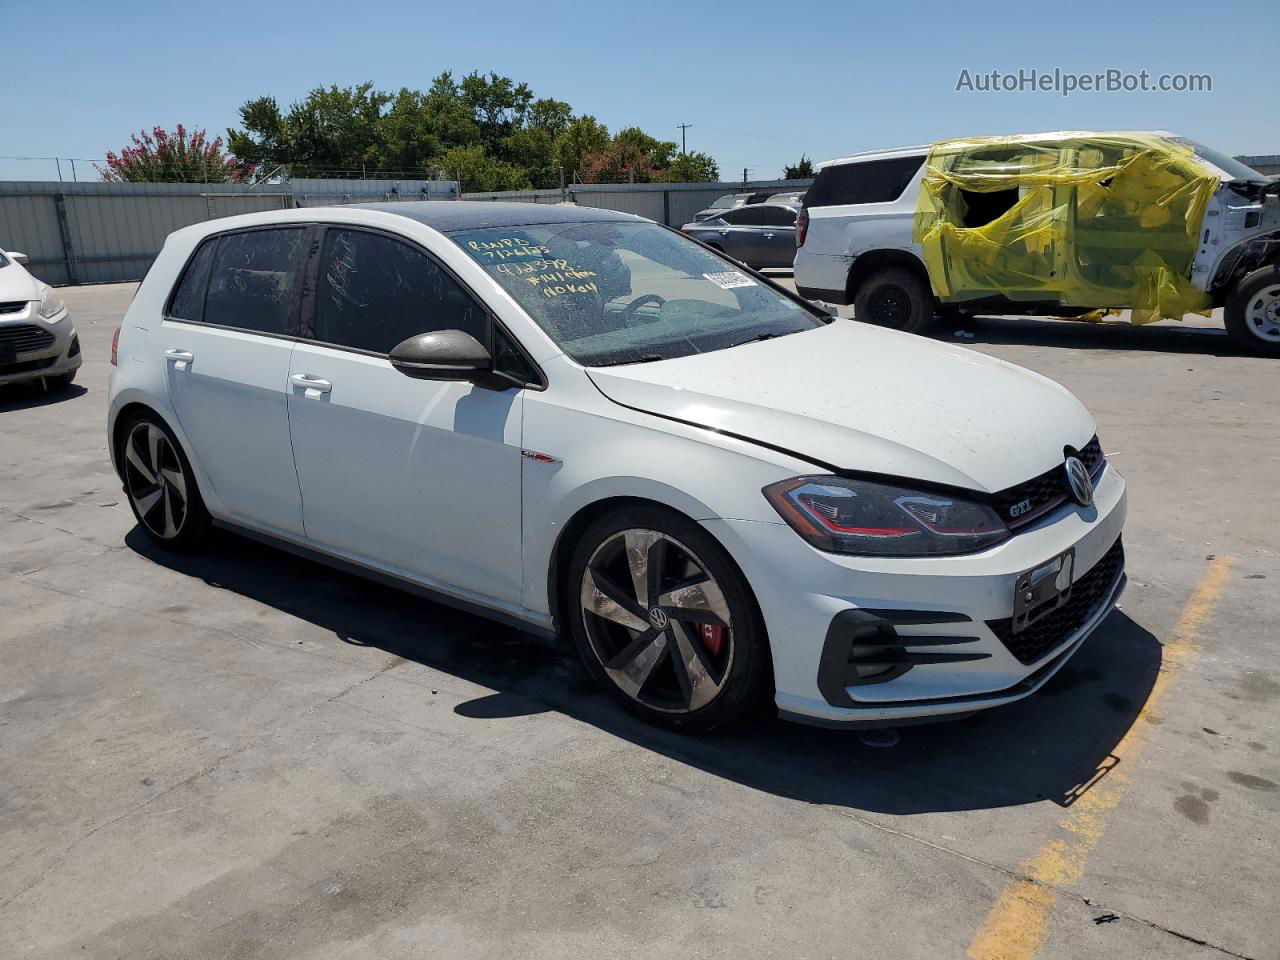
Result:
[683,127]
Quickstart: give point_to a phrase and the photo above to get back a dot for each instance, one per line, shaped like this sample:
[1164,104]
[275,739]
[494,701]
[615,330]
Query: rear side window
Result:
[188,299]
[253,280]
[374,292]
[744,217]
[876,181]
[778,217]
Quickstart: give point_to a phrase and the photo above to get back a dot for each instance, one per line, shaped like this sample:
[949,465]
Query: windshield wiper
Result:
[757,338]
[647,358]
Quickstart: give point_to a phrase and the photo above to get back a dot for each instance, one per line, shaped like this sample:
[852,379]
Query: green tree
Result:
[476,171]
[798,171]
[691,168]
[164,157]
[632,155]
[583,136]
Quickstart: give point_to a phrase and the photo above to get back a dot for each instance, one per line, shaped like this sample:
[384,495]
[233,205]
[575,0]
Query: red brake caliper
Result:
[712,637]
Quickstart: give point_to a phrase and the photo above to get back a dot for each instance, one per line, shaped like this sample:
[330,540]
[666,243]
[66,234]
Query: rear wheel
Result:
[664,619]
[161,486]
[1252,312]
[895,298]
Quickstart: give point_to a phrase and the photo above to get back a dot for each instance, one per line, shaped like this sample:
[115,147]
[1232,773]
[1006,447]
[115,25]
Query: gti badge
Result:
[1079,482]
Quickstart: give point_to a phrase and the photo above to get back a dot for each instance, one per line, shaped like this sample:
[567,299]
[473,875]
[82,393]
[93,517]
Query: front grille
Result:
[1087,594]
[26,366]
[13,306]
[25,337]
[1021,504]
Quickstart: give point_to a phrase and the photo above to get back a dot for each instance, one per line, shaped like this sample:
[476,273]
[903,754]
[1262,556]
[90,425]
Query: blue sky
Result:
[760,82]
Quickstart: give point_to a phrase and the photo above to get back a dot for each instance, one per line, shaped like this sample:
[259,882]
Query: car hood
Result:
[856,397]
[17,284]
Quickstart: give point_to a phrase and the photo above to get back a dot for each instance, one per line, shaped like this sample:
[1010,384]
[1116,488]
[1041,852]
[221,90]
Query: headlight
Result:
[50,303]
[880,519]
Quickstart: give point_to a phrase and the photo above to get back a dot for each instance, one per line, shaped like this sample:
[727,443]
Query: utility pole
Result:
[683,127]
[744,179]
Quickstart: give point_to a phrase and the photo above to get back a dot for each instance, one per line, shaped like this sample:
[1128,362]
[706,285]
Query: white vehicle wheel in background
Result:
[1252,313]
[895,298]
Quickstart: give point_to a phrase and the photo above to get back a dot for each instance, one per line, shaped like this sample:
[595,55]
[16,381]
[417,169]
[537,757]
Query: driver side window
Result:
[373,291]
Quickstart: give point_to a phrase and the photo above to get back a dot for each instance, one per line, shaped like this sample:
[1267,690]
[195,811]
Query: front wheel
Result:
[895,298]
[664,619]
[1252,312]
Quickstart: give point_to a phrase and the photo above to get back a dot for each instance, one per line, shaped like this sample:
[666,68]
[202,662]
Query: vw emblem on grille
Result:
[658,617]
[1079,482]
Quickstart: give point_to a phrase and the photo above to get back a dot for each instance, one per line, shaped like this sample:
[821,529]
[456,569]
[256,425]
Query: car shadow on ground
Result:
[1075,334]
[27,396]
[1052,746]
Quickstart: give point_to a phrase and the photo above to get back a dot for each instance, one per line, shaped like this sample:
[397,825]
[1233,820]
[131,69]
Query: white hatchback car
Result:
[588,425]
[37,338]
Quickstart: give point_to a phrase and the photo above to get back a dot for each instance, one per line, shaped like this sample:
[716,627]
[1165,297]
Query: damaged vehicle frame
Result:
[1058,224]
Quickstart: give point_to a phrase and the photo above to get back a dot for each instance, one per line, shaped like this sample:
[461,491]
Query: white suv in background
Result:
[855,243]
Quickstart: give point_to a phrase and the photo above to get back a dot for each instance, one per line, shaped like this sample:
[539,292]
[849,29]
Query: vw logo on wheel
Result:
[1079,482]
[658,617]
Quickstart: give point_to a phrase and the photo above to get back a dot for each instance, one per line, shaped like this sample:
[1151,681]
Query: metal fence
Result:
[670,203]
[109,232]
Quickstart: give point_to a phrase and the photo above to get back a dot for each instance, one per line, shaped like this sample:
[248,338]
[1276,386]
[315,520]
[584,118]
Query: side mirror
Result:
[17,257]
[443,355]
[828,308]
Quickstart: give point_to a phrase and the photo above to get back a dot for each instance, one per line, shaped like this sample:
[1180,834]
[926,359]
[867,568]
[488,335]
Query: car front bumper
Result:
[32,347]
[824,611]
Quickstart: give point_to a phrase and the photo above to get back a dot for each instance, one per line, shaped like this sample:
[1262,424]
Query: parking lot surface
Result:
[241,754]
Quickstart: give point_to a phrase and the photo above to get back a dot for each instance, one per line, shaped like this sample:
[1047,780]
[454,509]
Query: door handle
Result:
[180,356]
[768,236]
[309,382]
[723,233]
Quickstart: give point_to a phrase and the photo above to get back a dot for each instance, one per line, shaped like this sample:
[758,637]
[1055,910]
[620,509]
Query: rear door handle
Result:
[768,236]
[307,381]
[180,356]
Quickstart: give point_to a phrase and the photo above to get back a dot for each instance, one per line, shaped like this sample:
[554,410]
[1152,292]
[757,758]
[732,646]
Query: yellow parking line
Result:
[1015,926]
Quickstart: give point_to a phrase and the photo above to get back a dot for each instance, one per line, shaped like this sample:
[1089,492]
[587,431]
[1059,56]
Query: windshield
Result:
[4,261]
[727,202]
[610,293]
[1229,165]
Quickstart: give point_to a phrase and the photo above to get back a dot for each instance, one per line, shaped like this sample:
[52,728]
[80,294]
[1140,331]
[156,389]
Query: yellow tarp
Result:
[1088,220]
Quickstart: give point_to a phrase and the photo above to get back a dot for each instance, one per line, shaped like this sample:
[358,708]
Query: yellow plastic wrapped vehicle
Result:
[1058,224]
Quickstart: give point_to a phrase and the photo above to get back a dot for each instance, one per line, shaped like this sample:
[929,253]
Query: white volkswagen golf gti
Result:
[585,424]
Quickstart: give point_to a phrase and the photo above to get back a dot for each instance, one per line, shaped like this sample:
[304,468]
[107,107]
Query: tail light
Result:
[115,347]
[802,226]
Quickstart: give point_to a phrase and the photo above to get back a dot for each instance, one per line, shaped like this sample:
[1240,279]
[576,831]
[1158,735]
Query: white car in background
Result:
[587,425]
[37,337]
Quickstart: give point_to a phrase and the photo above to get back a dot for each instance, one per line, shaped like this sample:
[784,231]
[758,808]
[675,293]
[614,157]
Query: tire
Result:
[626,640]
[1252,312]
[896,298]
[170,510]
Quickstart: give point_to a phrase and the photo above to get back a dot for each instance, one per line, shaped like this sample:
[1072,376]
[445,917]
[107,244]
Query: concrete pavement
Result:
[242,754]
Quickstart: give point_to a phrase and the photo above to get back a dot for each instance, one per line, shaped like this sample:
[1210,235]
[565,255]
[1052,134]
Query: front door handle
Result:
[308,382]
[180,356]
[768,236]
[724,233]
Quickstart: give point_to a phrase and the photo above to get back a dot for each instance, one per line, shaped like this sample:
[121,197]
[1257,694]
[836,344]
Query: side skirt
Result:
[542,633]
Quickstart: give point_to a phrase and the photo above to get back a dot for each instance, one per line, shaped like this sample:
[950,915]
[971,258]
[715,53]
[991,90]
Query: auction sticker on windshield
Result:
[729,279]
